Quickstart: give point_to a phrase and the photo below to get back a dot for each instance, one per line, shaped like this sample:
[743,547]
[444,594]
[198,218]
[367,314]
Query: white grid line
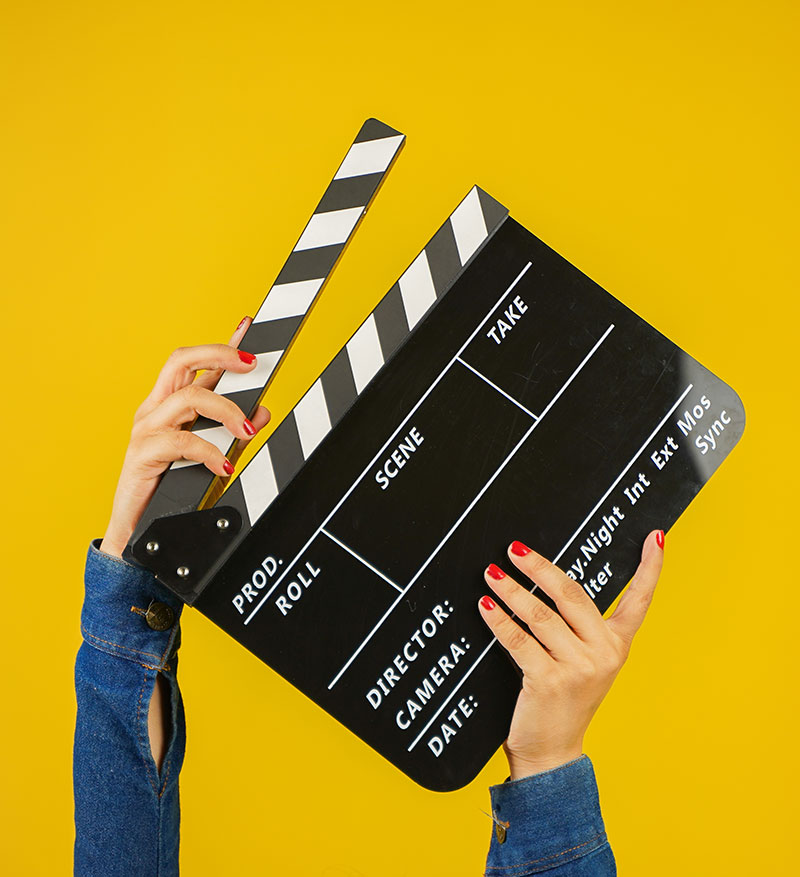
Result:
[566,545]
[359,557]
[494,386]
[424,396]
[472,504]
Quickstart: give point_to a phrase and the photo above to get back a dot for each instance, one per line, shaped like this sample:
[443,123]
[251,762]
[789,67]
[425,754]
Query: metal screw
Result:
[183,571]
[222,524]
[151,547]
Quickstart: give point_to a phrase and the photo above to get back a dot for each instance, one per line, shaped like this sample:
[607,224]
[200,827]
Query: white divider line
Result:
[560,553]
[469,508]
[360,558]
[388,441]
[495,387]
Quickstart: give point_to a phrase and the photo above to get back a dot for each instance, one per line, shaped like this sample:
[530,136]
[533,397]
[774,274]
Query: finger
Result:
[575,605]
[523,648]
[166,447]
[184,363]
[210,379]
[183,406]
[632,607]
[546,625]
[240,331]
[260,419]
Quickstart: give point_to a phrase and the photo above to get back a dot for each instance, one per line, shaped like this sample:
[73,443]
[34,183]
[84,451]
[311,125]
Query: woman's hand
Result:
[571,660]
[159,437]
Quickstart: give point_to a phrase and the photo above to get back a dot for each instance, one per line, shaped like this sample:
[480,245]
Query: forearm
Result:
[126,803]
[550,822]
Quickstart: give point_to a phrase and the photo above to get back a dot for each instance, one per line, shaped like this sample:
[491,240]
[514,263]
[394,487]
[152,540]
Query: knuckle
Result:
[177,353]
[586,668]
[181,439]
[538,613]
[572,592]
[537,563]
[192,394]
[514,636]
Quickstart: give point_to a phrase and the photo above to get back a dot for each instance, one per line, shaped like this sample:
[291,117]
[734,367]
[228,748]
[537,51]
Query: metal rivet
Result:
[183,571]
[151,547]
[222,524]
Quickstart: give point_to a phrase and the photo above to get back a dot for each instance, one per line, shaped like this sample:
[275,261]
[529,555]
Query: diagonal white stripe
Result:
[364,352]
[369,157]
[312,418]
[258,483]
[416,288]
[469,226]
[324,229]
[231,382]
[288,300]
[217,435]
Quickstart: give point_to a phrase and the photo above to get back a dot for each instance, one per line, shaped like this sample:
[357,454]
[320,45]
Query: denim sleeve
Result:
[127,813]
[550,822]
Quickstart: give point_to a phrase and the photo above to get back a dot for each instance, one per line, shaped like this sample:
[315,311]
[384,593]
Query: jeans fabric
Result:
[127,812]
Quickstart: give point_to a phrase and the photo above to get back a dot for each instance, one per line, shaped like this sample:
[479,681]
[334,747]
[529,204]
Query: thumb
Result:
[632,608]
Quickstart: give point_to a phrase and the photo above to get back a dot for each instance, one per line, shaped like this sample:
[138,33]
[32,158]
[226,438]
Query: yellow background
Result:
[160,159]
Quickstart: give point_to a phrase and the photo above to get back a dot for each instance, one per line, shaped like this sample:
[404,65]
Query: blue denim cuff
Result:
[117,597]
[551,818]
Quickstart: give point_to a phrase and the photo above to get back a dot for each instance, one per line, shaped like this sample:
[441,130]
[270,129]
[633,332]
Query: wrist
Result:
[524,765]
[112,547]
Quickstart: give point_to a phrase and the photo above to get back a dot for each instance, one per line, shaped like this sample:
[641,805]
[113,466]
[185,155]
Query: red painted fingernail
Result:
[519,549]
[495,572]
[487,602]
[660,538]
[249,358]
[228,467]
[248,427]
[241,322]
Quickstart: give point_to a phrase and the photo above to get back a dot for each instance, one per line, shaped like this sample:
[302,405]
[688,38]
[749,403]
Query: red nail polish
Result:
[248,427]
[495,572]
[241,323]
[519,549]
[228,467]
[487,602]
[249,358]
[660,539]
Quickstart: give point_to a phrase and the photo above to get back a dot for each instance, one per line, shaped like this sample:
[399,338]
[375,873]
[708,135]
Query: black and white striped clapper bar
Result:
[494,393]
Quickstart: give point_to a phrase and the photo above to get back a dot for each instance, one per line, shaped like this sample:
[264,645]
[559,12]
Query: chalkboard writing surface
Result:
[529,404]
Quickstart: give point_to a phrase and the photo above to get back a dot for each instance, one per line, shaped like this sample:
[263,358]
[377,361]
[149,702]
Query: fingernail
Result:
[249,358]
[241,323]
[519,549]
[495,572]
[660,539]
[487,602]
[228,467]
[248,427]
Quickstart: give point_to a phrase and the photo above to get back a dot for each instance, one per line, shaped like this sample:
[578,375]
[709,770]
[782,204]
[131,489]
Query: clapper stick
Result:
[294,440]
[188,485]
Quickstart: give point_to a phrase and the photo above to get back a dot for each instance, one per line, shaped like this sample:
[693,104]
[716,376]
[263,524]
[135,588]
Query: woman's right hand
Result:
[159,435]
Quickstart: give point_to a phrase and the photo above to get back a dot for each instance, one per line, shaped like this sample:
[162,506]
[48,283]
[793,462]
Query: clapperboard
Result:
[494,393]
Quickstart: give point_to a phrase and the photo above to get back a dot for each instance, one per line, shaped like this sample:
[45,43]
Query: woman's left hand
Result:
[570,660]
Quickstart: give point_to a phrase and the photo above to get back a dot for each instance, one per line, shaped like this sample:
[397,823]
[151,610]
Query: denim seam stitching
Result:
[121,654]
[546,858]
[86,633]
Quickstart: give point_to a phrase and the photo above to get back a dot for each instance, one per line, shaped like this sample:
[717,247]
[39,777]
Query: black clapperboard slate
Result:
[525,402]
